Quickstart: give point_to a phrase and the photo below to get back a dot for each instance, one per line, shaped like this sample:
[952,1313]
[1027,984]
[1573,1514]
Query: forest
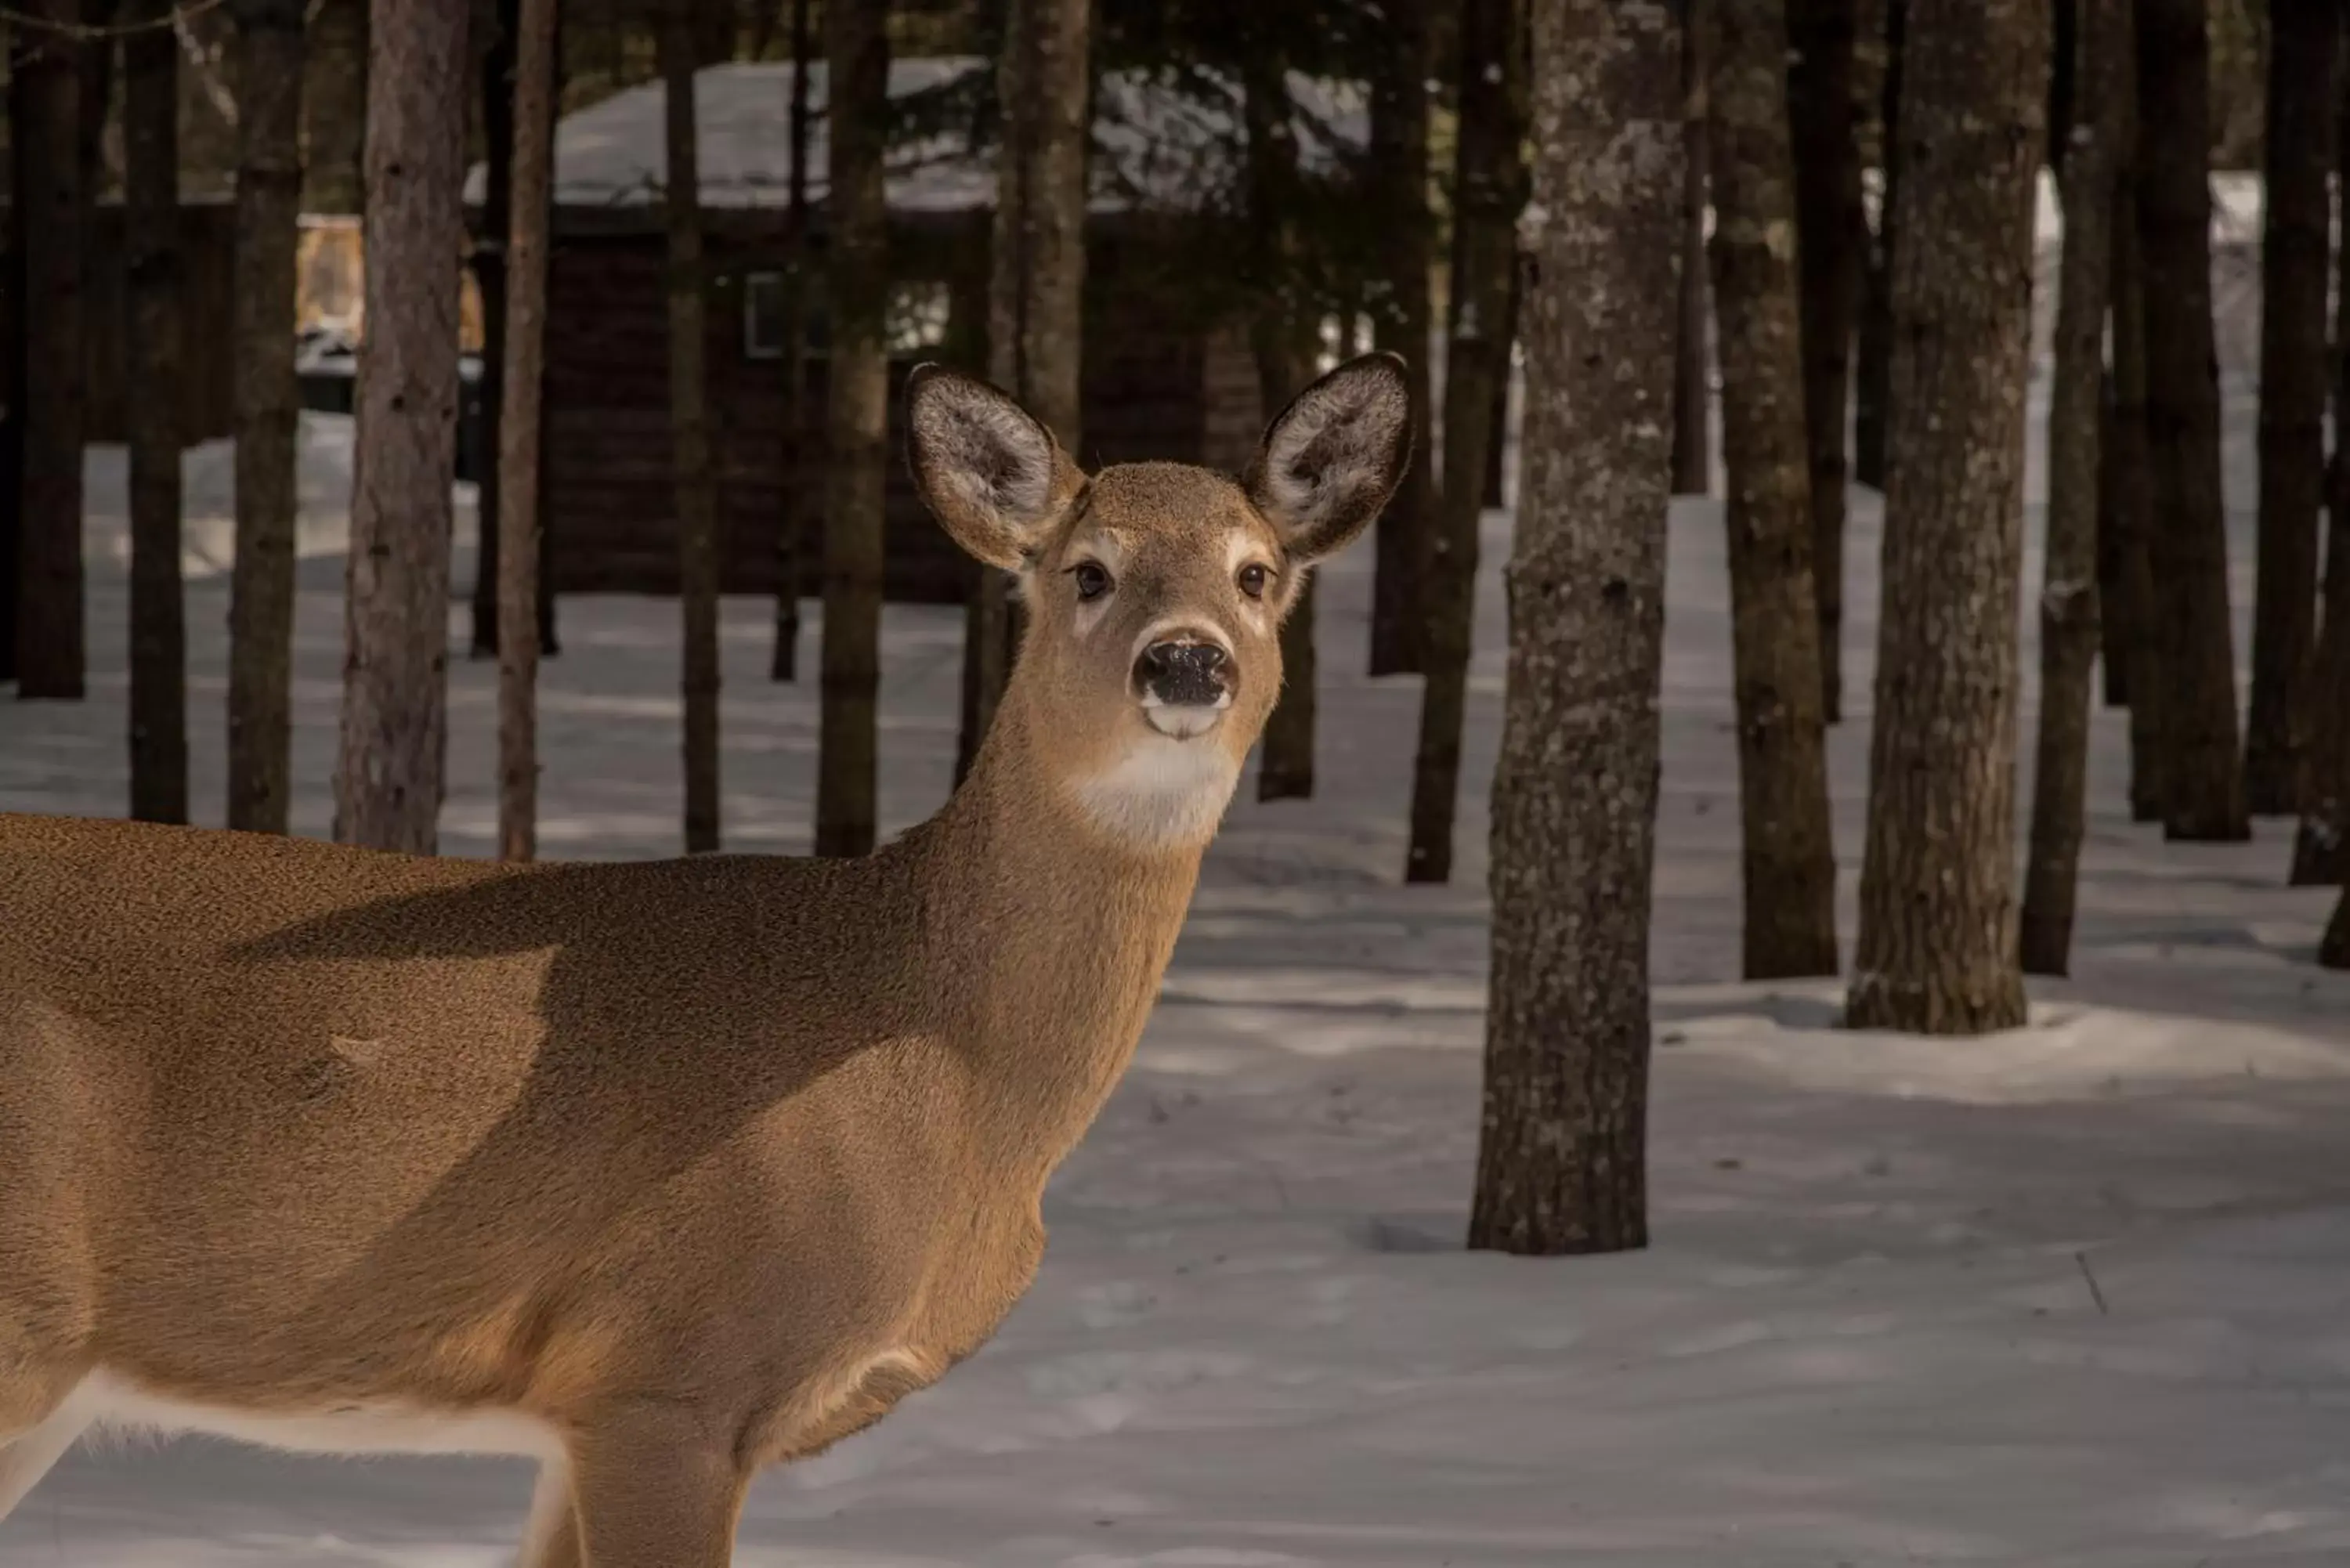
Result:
[1820,808]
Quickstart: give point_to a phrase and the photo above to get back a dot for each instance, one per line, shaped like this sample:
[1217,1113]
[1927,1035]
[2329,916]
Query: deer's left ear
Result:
[1331,459]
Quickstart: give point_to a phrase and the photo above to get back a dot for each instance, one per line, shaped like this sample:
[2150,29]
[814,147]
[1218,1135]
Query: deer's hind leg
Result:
[656,1491]
[551,1539]
[27,1451]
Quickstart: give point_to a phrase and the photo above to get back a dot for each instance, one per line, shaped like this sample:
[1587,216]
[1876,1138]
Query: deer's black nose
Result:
[1184,674]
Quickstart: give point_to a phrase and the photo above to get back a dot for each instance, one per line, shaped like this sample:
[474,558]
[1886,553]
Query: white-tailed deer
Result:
[658,1172]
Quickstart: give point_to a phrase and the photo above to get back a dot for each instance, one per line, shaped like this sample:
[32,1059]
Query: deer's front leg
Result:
[653,1489]
[551,1539]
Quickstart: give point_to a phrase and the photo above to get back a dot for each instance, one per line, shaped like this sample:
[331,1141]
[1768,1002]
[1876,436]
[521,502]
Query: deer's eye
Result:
[1092,579]
[1252,580]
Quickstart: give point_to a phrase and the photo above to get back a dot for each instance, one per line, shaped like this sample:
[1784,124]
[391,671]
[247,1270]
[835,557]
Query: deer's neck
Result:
[1048,938]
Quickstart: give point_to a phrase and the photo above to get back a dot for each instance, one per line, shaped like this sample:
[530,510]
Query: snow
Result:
[1164,143]
[2071,1297]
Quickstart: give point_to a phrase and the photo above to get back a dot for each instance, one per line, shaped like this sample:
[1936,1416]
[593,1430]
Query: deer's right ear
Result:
[989,472]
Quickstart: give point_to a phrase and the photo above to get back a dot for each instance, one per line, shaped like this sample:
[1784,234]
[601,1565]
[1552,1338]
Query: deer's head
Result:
[1155,592]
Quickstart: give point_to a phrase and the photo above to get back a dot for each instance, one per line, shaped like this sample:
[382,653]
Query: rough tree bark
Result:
[785,663]
[1489,190]
[2068,595]
[696,491]
[857,56]
[2202,772]
[159,658]
[1401,323]
[1937,951]
[1283,335]
[1787,848]
[2321,846]
[49,633]
[2294,253]
[518,454]
[489,248]
[1036,292]
[2129,501]
[394,732]
[1874,346]
[1693,434]
[1562,1154]
[334,105]
[268,412]
[1829,228]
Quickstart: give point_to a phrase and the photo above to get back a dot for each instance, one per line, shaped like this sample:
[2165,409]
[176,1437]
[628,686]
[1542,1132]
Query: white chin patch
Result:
[1186,722]
[1163,790]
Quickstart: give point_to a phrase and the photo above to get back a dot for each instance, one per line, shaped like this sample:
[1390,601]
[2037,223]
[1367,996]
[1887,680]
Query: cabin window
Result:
[920,311]
[916,320]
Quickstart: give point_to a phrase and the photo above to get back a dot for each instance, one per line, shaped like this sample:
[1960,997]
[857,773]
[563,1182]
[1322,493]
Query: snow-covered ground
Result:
[2075,1296]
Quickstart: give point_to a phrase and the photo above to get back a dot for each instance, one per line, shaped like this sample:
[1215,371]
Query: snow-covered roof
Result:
[1164,140]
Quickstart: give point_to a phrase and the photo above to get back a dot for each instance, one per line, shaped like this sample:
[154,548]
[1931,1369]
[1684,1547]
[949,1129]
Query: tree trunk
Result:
[1561,1156]
[1489,188]
[2203,776]
[19,310]
[1283,335]
[785,663]
[1400,324]
[2321,846]
[334,107]
[2130,503]
[497,105]
[2294,253]
[1829,229]
[689,415]
[388,778]
[268,412]
[1036,287]
[2113,638]
[159,659]
[49,632]
[1938,951]
[1494,493]
[1788,852]
[856,55]
[1874,345]
[520,383]
[1693,438]
[2068,595]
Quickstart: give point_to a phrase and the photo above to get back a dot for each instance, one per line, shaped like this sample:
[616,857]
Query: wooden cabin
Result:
[1166,372]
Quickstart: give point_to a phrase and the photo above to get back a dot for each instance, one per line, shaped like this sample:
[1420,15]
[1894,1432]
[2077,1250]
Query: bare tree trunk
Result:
[388,777]
[1875,346]
[2203,777]
[1562,1158]
[159,658]
[268,412]
[1829,229]
[2294,253]
[1036,287]
[497,110]
[1400,324]
[2068,595]
[793,522]
[1282,337]
[334,105]
[519,428]
[49,633]
[2321,846]
[15,340]
[856,55]
[1489,190]
[688,413]
[1692,437]
[1938,951]
[1494,494]
[1788,851]
[2129,506]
